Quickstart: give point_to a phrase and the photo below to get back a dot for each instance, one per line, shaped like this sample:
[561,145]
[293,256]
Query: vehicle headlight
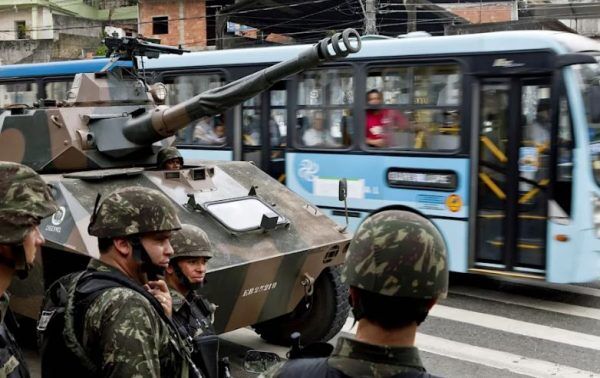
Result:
[159,92]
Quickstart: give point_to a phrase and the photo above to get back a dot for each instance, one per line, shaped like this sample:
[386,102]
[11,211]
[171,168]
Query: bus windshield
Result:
[589,84]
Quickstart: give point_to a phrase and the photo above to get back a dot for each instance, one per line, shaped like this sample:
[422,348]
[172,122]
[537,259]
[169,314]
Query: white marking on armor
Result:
[517,327]
[497,359]
[539,304]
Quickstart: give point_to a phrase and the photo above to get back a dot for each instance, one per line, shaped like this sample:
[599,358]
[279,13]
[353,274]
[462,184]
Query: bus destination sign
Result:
[428,179]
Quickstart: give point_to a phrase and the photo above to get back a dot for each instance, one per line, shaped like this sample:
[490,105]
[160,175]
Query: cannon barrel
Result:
[163,122]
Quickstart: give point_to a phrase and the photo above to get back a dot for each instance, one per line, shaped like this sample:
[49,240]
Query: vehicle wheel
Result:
[320,322]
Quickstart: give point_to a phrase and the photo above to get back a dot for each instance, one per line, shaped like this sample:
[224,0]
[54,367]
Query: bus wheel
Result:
[322,320]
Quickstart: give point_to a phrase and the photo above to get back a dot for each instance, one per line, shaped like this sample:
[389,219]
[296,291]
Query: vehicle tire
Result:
[320,322]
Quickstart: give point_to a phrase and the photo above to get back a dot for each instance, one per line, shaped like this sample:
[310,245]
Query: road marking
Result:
[539,304]
[492,358]
[498,359]
[518,327]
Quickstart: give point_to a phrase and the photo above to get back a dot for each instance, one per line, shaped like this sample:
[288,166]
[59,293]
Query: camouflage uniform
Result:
[121,329]
[24,201]
[126,337]
[192,313]
[167,154]
[393,253]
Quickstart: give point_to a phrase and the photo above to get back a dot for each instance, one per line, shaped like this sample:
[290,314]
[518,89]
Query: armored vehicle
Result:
[276,255]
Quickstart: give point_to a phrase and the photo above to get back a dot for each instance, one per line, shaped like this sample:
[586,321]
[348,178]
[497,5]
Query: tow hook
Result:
[308,282]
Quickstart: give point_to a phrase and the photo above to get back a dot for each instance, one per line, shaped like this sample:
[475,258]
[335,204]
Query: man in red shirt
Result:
[381,122]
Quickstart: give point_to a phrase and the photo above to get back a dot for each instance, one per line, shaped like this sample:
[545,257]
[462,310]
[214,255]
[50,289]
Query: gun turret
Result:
[110,118]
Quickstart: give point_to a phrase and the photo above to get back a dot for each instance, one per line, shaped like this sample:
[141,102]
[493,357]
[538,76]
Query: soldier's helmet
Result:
[24,200]
[398,253]
[131,211]
[191,241]
[167,154]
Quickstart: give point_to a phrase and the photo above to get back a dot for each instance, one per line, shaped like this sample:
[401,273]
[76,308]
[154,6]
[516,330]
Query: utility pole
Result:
[370,11]
[411,15]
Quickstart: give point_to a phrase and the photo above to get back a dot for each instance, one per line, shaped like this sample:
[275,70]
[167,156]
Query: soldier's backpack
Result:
[61,320]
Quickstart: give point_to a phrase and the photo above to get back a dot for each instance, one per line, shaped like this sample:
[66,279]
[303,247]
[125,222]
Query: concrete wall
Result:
[76,26]
[35,51]
[187,22]
[590,27]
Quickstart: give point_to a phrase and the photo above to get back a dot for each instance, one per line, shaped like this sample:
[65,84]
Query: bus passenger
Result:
[381,123]
[317,135]
[210,130]
[539,132]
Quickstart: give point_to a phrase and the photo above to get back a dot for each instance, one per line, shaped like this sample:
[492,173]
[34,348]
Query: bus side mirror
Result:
[343,189]
[593,99]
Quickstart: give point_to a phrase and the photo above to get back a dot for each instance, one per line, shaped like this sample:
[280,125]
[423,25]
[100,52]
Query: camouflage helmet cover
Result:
[398,253]
[167,154]
[191,241]
[24,200]
[133,210]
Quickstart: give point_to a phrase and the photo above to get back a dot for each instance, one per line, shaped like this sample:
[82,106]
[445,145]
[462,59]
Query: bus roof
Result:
[447,45]
[61,68]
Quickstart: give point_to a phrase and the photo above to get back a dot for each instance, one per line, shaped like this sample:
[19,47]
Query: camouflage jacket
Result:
[352,358]
[127,338]
[193,319]
[12,362]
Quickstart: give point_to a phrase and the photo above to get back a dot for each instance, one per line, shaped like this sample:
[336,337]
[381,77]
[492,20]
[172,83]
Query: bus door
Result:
[513,174]
[264,128]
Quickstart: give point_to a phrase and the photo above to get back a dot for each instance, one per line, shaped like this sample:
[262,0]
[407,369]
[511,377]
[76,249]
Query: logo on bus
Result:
[454,203]
[308,170]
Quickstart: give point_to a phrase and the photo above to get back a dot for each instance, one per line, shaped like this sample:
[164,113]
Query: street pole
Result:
[370,17]
[411,15]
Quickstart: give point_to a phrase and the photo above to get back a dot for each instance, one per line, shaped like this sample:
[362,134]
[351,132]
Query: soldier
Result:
[191,312]
[24,201]
[169,158]
[123,330]
[396,269]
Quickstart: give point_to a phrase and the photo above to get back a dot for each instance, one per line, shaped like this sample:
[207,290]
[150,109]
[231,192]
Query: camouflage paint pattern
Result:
[110,121]
[125,336]
[191,241]
[24,200]
[131,211]
[398,253]
[166,154]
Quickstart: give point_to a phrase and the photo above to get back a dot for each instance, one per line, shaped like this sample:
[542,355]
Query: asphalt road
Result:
[487,327]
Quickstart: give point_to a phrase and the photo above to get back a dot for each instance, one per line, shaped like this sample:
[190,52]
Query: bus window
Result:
[24,92]
[413,108]
[324,116]
[57,90]
[208,130]
[277,118]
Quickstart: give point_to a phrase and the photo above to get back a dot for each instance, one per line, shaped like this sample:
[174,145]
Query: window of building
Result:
[324,116]
[207,131]
[413,108]
[160,25]
[21,29]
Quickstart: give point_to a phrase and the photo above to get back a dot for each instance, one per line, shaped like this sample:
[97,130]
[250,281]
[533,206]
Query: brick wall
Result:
[187,23]
[483,12]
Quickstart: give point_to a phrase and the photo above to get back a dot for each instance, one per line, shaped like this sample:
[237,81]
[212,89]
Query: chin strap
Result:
[151,270]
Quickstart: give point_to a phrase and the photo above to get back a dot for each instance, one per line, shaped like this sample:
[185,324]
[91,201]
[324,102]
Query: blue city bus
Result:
[494,137]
